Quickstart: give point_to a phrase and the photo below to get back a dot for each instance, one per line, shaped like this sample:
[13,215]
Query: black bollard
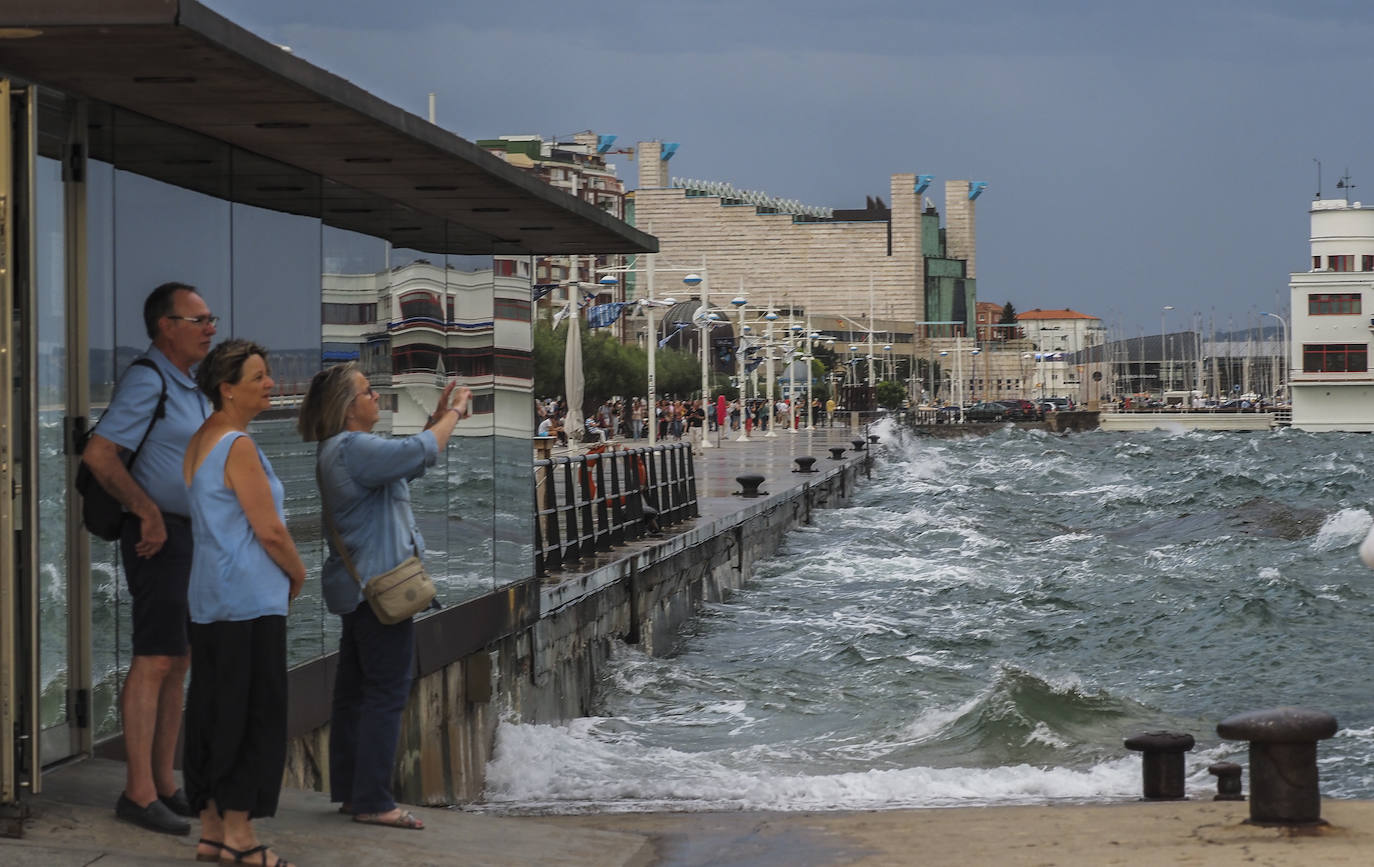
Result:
[750,483]
[858,445]
[1283,762]
[837,453]
[873,439]
[804,464]
[1228,781]
[1162,762]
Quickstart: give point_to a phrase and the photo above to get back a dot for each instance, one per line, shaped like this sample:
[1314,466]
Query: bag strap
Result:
[334,530]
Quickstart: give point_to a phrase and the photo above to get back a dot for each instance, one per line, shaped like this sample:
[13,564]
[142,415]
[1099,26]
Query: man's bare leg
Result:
[139,705]
[169,711]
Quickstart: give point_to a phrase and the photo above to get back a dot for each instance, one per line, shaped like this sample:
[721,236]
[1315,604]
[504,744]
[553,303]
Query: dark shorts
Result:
[158,587]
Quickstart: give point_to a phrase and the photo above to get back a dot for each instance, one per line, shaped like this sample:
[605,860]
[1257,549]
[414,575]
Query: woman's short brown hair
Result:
[324,412]
[225,364]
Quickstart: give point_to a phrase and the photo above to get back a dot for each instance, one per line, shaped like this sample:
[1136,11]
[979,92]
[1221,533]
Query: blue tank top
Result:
[232,575]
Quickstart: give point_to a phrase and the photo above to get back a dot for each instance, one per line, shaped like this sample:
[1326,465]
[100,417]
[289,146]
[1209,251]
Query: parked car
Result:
[1022,409]
[988,411]
[1060,404]
[948,414]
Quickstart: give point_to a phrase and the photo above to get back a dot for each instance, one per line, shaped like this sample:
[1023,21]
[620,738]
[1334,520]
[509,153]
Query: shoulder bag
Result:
[101,513]
[398,593]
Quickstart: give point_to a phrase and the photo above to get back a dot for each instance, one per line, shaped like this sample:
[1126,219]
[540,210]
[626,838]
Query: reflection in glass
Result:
[50,316]
[276,272]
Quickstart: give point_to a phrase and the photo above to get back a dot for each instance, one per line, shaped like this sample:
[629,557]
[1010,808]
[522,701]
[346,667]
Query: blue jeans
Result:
[370,690]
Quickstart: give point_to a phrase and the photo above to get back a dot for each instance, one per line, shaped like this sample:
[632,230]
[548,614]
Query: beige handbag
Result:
[398,593]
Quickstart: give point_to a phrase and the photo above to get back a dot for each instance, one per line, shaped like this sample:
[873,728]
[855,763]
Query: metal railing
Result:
[590,503]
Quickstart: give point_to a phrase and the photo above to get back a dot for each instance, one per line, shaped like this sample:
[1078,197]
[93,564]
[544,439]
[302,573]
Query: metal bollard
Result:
[1228,781]
[873,439]
[859,445]
[837,453]
[1284,788]
[750,483]
[1162,762]
[804,463]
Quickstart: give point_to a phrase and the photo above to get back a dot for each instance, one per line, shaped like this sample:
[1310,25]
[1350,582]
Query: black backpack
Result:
[101,513]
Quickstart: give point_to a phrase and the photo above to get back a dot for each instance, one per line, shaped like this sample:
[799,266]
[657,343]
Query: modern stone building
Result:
[819,260]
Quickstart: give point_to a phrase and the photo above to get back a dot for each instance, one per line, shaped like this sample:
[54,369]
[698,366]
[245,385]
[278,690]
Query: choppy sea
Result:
[986,621]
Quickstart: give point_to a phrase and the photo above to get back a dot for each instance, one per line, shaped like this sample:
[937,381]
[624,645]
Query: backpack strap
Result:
[160,411]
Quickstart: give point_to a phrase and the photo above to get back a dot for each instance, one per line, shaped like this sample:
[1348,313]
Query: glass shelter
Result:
[153,141]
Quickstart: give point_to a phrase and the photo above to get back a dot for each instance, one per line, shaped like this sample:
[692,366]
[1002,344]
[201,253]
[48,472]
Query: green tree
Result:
[549,347]
[890,394]
[1008,318]
[679,373]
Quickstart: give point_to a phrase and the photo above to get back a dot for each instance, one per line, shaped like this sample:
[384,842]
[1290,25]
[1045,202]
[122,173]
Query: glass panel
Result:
[277,263]
[50,273]
[142,233]
[471,493]
[513,418]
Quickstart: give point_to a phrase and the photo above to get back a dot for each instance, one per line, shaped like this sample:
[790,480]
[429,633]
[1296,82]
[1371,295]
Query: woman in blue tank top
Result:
[244,571]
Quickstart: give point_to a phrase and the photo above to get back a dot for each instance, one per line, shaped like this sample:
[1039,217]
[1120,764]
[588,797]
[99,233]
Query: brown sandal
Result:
[406,820]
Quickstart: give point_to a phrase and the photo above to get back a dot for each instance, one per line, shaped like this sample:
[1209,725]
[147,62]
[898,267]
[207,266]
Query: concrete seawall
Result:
[547,670]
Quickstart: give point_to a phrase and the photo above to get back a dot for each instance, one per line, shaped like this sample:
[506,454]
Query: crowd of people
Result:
[212,570]
[674,419]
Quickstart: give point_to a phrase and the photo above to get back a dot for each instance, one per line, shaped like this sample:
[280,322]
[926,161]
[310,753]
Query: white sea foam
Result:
[563,768]
[1343,529]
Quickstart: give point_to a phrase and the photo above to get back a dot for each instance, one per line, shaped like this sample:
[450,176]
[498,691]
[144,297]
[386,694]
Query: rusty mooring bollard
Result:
[1228,781]
[804,463]
[1283,762]
[750,483]
[837,453]
[1162,762]
[858,445]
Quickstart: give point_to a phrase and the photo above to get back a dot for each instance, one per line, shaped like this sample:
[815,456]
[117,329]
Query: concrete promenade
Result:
[73,821]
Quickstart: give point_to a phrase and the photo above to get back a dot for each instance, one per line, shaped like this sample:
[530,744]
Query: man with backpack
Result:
[155,409]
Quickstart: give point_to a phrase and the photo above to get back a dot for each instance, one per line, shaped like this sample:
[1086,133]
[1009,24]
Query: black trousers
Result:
[235,748]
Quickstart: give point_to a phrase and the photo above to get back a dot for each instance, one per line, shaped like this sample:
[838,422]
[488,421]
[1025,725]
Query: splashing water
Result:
[986,622]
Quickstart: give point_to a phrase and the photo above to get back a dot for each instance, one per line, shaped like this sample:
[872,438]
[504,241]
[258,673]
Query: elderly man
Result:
[155,544]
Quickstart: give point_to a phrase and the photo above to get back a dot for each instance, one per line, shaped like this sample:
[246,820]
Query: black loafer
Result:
[178,803]
[157,816]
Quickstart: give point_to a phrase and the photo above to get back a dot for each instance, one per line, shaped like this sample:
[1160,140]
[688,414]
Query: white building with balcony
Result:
[1333,318]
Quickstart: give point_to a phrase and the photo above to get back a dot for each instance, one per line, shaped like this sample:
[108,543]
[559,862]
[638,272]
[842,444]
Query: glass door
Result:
[61,575]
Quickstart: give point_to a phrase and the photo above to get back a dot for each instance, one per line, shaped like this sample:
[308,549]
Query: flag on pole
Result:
[680,325]
[603,315]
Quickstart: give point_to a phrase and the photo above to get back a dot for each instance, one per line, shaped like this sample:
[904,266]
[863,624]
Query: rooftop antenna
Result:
[1344,184]
[1319,176]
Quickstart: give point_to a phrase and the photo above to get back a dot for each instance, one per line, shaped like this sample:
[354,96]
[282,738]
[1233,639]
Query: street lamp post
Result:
[1284,371]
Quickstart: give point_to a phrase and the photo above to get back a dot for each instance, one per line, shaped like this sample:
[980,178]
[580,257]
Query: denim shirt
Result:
[363,480]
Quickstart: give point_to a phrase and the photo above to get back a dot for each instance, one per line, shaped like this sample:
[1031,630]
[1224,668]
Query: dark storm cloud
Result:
[1137,155]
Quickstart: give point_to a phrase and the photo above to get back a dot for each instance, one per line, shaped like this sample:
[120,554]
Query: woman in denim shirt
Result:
[363,480]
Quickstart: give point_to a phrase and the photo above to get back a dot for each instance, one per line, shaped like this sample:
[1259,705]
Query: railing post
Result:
[603,519]
[572,547]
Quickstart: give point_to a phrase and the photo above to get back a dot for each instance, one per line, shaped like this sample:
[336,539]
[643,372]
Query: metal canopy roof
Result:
[393,174]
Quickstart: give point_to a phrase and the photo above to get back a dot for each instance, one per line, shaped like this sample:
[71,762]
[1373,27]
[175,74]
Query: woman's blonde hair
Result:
[324,412]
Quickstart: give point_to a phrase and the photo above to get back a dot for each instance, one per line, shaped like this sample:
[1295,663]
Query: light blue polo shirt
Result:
[158,469]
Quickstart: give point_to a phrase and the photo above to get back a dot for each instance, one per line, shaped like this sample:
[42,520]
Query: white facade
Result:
[1333,318]
[1057,337]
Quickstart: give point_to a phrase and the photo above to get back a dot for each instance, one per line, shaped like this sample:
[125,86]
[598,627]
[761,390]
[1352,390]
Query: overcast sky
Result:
[1136,156]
